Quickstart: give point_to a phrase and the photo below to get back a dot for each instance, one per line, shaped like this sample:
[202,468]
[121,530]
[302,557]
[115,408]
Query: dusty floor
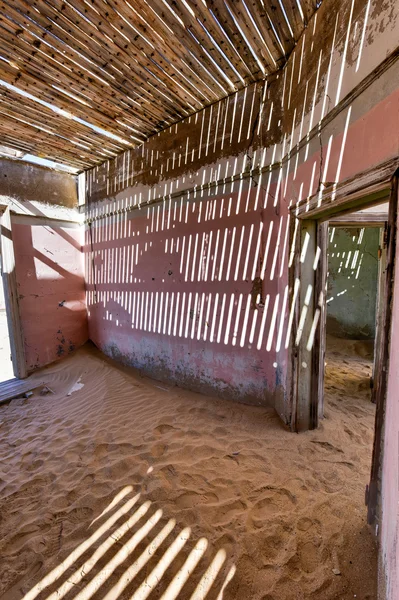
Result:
[6,371]
[127,488]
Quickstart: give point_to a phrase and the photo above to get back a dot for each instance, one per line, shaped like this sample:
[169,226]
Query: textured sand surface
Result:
[126,488]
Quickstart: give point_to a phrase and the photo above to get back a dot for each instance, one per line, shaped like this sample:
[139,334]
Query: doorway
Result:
[309,242]
[308,280]
[356,256]
[6,368]
[356,266]
[12,351]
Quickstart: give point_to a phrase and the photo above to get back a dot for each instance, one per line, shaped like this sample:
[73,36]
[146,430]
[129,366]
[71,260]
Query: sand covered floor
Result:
[128,488]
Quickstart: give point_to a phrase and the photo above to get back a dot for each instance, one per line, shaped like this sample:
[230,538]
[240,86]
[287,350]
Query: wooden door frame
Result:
[380,305]
[11,294]
[308,235]
[370,188]
[381,382]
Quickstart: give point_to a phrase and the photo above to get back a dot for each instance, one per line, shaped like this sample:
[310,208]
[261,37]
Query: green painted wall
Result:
[352,282]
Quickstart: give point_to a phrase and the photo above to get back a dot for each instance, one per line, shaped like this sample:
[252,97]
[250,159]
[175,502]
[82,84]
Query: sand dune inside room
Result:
[265,513]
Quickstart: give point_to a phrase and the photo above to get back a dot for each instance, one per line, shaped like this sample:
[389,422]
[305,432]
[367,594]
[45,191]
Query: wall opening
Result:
[6,369]
[351,322]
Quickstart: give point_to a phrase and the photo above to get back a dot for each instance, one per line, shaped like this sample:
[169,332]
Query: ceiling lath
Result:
[129,67]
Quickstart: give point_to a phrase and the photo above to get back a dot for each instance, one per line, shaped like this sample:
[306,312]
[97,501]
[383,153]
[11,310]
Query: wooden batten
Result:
[129,68]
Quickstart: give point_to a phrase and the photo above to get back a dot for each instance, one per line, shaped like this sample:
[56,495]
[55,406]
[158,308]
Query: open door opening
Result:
[12,352]
[6,366]
[354,304]
[360,367]
[354,299]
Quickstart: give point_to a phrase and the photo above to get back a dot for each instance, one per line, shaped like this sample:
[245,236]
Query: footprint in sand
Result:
[158,450]
[309,557]
[59,503]
[274,548]
[82,513]
[14,593]
[272,503]
[190,499]
[223,514]
[18,541]
[164,428]
[309,549]
[286,589]
[327,446]
[305,524]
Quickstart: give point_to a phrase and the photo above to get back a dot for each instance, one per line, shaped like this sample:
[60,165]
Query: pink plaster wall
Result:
[50,279]
[173,292]
[256,127]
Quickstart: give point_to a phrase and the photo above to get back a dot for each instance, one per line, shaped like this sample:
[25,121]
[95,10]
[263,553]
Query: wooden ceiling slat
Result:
[91,78]
[174,48]
[57,141]
[164,16]
[55,72]
[224,18]
[216,45]
[57,77]
[277,17]
[294,18]
[308,8]
[39,89]
[204,16]
[88,48]
[39,147]
[15,143]
[257,43]
[140,55]
[99,26]
[173,52]
[39,114]
[261,19]
[130,67]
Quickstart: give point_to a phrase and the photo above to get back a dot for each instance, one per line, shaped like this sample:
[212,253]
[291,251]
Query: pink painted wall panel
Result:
[175,292]
[50,279]
[363,141]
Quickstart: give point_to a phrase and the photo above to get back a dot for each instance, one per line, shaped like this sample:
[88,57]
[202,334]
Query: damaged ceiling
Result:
[94,77]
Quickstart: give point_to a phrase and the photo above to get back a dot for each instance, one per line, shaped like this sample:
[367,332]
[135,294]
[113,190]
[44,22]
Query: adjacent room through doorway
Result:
[353,271]
[354,262]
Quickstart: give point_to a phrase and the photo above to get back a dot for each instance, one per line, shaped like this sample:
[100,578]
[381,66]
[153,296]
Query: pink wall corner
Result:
[51,289]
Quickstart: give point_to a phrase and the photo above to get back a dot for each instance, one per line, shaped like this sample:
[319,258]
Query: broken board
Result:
[15,387]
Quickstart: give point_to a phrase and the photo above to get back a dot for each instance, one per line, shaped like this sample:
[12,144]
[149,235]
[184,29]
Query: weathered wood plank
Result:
[372,219]
[15,387]
[349,195]
[381,381]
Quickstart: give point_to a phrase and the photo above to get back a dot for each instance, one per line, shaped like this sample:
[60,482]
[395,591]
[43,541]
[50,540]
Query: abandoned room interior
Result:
[199,310]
